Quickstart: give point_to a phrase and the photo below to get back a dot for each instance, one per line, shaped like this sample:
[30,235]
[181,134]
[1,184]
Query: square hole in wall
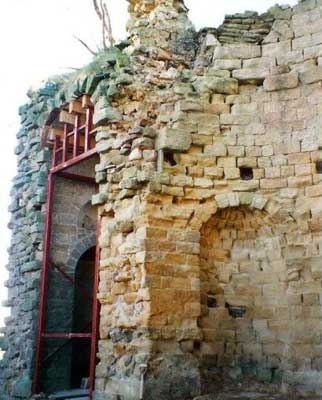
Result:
[246,173]
[318,165]
[170,158]
[211,301]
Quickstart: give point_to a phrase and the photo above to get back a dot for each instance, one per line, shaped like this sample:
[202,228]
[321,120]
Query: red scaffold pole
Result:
[95,312]
[44,281]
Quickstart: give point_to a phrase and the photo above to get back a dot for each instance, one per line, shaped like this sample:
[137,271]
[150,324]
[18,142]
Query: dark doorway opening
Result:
[82,317]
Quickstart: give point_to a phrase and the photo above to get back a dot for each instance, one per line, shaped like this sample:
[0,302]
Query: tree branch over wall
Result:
[104,16]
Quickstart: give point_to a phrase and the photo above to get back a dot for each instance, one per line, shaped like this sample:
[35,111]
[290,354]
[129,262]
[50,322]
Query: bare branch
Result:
[104,16]
[109,26]
[104,27]
[85,45]
[98,11]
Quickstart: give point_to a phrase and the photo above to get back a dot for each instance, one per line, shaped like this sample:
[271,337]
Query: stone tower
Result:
[208,166]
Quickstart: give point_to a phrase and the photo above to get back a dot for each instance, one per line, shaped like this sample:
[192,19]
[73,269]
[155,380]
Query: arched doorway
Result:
[82,316]
[243,281]
[70,345]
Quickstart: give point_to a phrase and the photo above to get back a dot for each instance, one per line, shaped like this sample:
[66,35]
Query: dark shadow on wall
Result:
[66,361]
[82,318]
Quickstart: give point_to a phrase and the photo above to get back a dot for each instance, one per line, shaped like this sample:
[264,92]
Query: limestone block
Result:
[217,108]
[300,43]
[99,198]
[236,151]
[201,140]
[316,208]
[305,23]
[232,173]
[219,73]
[299,181]
[207,123]
[199,194]
[136,154]
[181,180]
[259,202]
[279,82]
[302,170]
[173,191]
[250,162]
[104,146]
[273,183]
[311,74]
[222,200]
[259,63]
[251,108]
[104,112]
[251,74]
[216,172]
[228,64]
[314,191]
[316,267]
[233,199]
[276,49]
[216,85]
[283,29]
[217,149]
[189,105]
[174,140]
[237,51]
[245,198]
[203,182]
[244,119]
[313,52]
[291,57]
[273,172]
[238,99]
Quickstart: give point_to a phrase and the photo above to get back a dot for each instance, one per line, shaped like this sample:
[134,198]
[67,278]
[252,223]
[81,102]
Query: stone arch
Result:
[79,249]
[243,282]
[254,201]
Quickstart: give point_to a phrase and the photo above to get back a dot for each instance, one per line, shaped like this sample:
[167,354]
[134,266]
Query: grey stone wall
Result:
[73,233]
[26,250]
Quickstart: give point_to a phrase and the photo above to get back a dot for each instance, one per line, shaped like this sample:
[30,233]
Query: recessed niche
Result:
[211,301]
[169,158]
[196,345]
[246,173]
[236,311]
[318,165]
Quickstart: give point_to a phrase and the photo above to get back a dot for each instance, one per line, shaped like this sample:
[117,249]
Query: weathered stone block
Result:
[280,82]
[251,74]
[237,51]
[311,74]
[173,140]
[216,85]
[228,64]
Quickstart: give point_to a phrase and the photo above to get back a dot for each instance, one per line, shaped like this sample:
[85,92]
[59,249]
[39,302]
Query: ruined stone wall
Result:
[239,132]
[74,231]
[25,253]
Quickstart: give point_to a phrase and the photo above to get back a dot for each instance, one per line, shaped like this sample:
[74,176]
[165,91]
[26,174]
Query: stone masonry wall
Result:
[238,142]
[210,204]
[25,254]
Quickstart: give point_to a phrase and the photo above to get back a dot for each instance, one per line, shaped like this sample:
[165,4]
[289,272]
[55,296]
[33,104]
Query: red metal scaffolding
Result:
[76,145]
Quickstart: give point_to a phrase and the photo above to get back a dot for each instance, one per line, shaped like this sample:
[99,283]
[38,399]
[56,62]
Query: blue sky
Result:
[36,38]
